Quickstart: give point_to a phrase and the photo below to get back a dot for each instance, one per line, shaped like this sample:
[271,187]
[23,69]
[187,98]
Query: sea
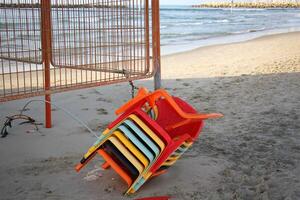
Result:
[185,28]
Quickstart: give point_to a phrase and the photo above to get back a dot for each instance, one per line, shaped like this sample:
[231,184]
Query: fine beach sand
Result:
[251,153]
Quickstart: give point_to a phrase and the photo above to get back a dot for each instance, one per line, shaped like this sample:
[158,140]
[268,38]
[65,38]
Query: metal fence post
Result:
[46,52]
[156,43]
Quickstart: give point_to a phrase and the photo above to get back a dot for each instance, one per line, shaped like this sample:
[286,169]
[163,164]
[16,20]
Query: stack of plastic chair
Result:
[151,133]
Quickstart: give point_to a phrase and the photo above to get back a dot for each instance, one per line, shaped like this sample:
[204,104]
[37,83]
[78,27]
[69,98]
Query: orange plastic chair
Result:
[116,167]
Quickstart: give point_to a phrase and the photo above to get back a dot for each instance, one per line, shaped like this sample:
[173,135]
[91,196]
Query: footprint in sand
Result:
[95,92]
[196,97]
[104,100]
[102,111]
[82,96]
[186,84]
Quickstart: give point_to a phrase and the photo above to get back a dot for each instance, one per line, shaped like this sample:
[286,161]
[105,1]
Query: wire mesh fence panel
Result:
[20,48]
[92,42]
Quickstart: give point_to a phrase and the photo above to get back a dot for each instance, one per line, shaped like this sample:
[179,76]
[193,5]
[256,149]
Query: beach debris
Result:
[93,174]
[10,119]
[92,177]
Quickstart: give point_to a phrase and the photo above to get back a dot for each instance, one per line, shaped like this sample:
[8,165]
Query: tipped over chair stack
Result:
[151,133]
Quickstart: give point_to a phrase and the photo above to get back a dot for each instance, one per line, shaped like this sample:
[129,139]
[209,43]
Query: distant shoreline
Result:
[249,5]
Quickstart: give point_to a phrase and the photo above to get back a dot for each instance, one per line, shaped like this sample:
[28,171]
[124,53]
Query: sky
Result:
[179,2]
[191,2]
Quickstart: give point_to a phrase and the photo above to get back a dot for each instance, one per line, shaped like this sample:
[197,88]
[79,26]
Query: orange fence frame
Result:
[60,62]
[46,52]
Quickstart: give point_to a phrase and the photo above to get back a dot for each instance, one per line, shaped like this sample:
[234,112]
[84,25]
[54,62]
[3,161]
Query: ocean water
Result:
[185,28]
[182,28]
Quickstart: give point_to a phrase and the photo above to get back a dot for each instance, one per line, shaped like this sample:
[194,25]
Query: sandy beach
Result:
[251,153]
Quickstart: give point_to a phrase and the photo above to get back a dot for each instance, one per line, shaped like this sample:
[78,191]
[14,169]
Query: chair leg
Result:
[105,165]
[116,167]
[159,173]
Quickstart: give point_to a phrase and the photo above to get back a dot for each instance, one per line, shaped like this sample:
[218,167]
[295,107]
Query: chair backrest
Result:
[166,116]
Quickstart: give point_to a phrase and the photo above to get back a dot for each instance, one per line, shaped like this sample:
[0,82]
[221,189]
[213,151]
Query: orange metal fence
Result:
[53,46]
[49,46]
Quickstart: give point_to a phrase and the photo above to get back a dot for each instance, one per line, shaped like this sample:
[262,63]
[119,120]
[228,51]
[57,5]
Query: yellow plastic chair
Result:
[133,149]
[127,154]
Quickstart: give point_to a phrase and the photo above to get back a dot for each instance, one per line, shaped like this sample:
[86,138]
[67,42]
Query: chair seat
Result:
[127,154]
[120,159]
[133,149]
[141,135]
[147,130]
[137,142]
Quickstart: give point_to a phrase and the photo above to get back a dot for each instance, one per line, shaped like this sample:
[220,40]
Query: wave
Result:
[189,23]
[172,38]
[183,9]
[177,9]
[249,31]
[215,21]
[222,20]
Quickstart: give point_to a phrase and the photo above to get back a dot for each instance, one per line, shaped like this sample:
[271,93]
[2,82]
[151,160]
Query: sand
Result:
[251,153]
